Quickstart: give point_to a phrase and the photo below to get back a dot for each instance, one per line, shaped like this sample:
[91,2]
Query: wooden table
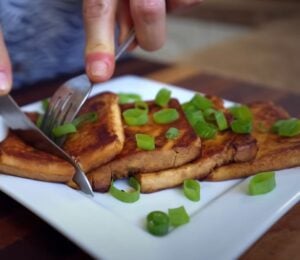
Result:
[22,234]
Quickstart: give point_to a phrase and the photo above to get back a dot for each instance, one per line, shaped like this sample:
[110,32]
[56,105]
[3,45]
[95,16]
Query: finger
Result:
[125,23]
[149,17]
[5,68]
[99,21]
[176,4]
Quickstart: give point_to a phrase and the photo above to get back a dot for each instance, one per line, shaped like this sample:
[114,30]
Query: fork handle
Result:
[124,46]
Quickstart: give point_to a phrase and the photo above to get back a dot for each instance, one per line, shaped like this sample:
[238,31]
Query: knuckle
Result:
[150,10]
[95,8]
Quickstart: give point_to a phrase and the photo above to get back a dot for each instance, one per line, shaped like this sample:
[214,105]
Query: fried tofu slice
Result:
[224,148]
[275,152]
[99,142]
[20,159]
[167,154]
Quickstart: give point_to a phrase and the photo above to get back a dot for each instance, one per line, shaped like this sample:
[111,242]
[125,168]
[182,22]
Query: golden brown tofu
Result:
[98,142]
[224,148]
[20,159]
[274,152]
[167,154]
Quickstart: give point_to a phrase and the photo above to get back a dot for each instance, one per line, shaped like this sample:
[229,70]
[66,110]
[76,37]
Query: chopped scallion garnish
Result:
[125,98]
[287,128]
[64,129]
[205,130]
[241,127]
[241,113]
[262,183]
[141,105]
[135,116]
[172,133]
[221,120]
[191,189]
[201,102]
[158,223]
[194,116]
[162,98]
[178,216]
[126,196]
[145,142]
[84,118]
[189,107]
[165,116]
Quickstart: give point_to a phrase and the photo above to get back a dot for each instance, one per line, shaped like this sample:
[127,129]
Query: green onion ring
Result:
[221,120]
[172,133]
[85,118]
[145,142]
[135,116]
[178,216]
[64,129]
[191,189]
[158,223]
[165,116]
[201,102]
[129,196]
[162,98]
[262,183]
[125,98]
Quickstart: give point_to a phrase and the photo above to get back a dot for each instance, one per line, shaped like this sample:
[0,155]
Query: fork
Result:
[69,98]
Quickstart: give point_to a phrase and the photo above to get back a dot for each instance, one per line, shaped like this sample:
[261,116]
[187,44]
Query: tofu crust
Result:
[167,154]
[274,152]
[20,159]
[99,142]
[226,147]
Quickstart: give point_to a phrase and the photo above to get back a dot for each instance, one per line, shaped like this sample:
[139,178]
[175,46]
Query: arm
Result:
[5,68]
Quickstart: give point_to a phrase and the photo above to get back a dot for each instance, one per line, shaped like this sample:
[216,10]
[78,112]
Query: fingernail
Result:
[3,82]
[99,69]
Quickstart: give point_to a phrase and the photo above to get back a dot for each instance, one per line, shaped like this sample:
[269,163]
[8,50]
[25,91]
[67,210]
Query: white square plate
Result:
[223,224]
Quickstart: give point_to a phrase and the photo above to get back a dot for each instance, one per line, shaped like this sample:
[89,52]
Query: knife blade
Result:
[16,120]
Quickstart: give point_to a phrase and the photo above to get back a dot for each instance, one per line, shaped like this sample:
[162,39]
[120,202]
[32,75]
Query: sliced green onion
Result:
[141,105]
[241,113]
[205,130]
[125,98]
[162,98]
[189,107]
[135,116]
[172,133]
[194,116]
[241,127]
[209,114]
[165,116]
[287,128]
[145,142]
[85,118]
[39,120]
[221,120]
[45,104]
[191,189]
[262,183]
[126,196]
[201,102]
[178,216]
[158,223]
[64,129]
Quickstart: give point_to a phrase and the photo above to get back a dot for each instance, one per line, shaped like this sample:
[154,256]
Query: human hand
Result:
[147,17]
[5,68]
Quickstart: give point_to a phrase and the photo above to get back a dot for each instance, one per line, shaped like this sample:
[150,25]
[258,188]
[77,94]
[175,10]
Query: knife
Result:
[16,120]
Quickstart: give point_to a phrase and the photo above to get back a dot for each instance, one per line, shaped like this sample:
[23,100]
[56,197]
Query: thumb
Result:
[5,69]
[99,20]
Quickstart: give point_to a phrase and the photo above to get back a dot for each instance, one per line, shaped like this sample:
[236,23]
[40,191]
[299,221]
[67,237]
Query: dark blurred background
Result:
[253,40]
